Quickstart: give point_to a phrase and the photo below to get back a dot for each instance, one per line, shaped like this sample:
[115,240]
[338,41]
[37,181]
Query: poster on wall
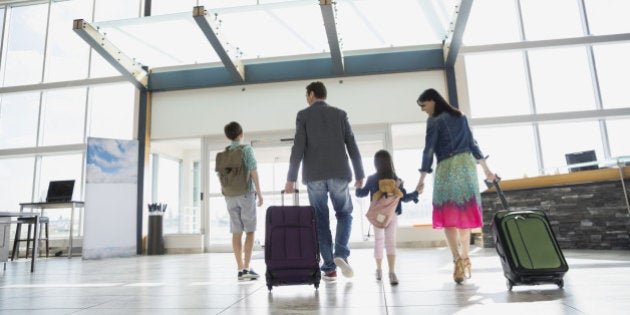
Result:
[110,198]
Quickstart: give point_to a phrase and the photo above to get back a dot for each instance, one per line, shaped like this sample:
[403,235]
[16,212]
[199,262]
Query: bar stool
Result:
[18,229]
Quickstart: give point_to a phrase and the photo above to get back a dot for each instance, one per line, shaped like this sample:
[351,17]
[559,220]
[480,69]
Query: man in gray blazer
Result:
[322,136]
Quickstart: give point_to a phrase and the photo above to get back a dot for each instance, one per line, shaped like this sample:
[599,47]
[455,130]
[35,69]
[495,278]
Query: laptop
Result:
[60,191]
[581,157]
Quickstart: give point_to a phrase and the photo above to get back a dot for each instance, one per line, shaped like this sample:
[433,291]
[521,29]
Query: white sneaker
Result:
[346,270]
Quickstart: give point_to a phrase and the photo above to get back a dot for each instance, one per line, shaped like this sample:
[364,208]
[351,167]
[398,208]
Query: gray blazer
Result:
[322,135]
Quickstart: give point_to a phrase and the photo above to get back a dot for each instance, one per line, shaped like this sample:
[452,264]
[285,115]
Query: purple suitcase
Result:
[291,247]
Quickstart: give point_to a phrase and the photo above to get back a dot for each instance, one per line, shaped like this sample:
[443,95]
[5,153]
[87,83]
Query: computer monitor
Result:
[581,157]
[60,191]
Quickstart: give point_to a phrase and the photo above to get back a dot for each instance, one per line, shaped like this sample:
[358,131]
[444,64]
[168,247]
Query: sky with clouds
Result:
[112,161]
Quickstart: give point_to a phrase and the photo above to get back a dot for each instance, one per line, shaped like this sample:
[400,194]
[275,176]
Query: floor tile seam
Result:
[384,296]
[244,297]
[97,305]
[76,309]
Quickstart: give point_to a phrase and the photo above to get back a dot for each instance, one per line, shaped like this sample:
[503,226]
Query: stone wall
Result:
[583,216]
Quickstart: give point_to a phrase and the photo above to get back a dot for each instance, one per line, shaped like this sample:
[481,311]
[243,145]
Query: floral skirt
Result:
[456,196]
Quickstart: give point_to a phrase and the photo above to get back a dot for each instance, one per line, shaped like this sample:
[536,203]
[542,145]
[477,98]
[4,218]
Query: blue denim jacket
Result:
[447,136]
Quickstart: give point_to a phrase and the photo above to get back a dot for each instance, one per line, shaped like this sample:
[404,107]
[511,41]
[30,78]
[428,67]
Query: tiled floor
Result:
[598,282]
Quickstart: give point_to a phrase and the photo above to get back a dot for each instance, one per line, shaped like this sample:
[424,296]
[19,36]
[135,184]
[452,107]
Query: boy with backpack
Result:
[236,168]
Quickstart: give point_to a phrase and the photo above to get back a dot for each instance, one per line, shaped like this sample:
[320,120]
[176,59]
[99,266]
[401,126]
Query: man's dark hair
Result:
[233,130]
[318,89]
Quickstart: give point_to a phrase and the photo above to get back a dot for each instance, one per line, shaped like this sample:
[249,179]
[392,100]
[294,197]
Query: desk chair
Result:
[18,229]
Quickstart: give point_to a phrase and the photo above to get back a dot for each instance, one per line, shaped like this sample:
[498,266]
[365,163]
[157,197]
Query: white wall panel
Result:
[375,99]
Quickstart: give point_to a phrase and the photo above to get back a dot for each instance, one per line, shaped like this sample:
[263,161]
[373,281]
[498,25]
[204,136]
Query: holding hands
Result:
[420,187]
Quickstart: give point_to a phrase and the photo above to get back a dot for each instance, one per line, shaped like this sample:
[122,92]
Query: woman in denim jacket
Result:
[456,197]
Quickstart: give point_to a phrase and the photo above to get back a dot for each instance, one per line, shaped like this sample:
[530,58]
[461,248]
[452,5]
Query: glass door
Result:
[272,152]
[272,157]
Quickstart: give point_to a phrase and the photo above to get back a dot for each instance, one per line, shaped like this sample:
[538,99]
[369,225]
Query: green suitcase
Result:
[527,247]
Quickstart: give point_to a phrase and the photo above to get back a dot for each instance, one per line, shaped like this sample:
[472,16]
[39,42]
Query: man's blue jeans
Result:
[318,192]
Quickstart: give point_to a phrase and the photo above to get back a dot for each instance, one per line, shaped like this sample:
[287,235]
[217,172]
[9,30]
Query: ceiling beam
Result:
[549,43]
[453,41]
[129,68]
[306,69]
[234,68]
[330,23]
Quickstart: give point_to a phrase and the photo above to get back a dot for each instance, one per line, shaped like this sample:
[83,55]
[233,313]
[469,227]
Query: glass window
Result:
[544,19]
[511,151]
[63,116]
[159,7]
[608,17]
[497,84]
[25,45]
[67,53]
[60,167]
[101,68]
[369,23]
[234,3]
[408,143]
[618,131]
[155,43]
[504,26]
[18,120]
[613,67]
[558,139]
[112,111]
[105,10]
[407,162]
[220,221]
[16,182]
[167,181]
[289,25]
[561,80]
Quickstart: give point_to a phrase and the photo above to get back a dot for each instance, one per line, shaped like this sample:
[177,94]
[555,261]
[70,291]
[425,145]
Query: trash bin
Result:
[155,239]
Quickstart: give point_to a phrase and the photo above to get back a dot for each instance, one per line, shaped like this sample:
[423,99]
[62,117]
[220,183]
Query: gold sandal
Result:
[458,273]
[466,268]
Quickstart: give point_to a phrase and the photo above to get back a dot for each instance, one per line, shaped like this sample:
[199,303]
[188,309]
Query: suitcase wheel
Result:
[509,283]
[268,278]
[560,283]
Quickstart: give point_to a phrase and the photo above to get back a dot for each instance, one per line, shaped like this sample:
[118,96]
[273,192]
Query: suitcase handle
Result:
[495,184]
[296,197]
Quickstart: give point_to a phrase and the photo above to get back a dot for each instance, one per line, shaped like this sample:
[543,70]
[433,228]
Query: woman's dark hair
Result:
[440,103]
[384,165]
[318,89]
[233,130]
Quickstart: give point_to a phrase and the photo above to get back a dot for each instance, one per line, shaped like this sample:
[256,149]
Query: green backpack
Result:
[233,174]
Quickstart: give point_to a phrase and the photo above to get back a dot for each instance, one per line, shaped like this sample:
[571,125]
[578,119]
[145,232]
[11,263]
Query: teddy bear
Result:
[387,187]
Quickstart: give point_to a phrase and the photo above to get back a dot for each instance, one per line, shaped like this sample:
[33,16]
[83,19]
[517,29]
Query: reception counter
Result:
[587,209]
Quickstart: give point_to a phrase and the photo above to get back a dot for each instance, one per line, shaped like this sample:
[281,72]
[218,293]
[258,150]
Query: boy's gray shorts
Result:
[242,211]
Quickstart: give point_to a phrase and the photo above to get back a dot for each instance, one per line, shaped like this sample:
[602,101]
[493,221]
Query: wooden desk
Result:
[5,219]
[56,205]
